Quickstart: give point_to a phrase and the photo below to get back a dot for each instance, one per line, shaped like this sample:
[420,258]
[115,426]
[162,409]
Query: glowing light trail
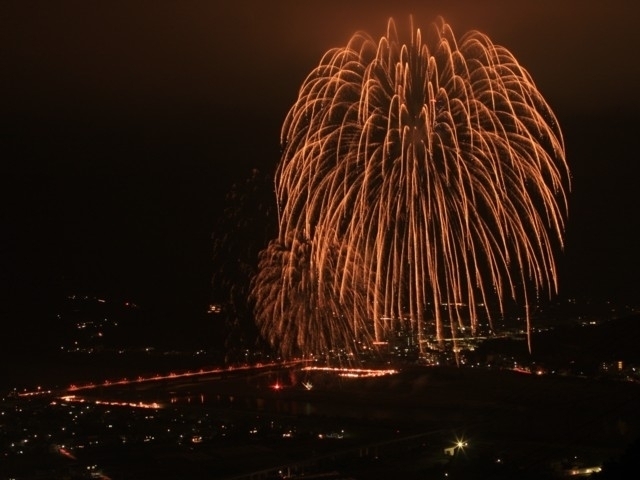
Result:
[414,176]
[354,372]
[112,403]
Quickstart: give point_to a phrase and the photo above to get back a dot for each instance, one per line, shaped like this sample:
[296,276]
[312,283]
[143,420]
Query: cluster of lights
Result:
[354,372]
[35,393]
[584,471]
[74,398]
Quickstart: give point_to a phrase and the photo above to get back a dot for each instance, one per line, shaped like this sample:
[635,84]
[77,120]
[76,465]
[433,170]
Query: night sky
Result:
[125,124]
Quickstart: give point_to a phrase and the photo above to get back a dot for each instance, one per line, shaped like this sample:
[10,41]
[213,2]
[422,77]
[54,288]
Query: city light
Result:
[353,372]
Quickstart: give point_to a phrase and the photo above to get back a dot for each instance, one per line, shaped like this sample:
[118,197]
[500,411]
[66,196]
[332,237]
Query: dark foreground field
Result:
[535,425]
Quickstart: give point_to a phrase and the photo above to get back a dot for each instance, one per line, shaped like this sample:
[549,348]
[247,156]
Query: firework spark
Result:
[414,177]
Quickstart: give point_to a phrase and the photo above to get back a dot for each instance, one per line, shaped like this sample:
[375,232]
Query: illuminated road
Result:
[173,376]
[70,394]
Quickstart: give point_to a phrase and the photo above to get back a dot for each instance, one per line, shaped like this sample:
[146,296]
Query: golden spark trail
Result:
[414,178]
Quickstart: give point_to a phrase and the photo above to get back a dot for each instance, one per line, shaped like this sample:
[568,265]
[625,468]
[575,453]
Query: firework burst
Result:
[415,177]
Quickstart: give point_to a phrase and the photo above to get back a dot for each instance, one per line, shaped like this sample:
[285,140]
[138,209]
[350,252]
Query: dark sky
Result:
[123,125]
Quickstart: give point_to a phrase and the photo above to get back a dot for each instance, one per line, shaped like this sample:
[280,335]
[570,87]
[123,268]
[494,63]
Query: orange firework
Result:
[417,176]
